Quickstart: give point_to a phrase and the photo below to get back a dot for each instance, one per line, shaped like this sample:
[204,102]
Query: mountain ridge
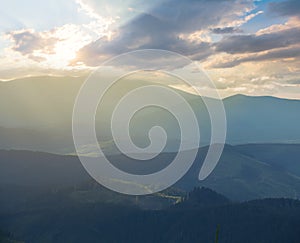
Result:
[40,117]
[237,176]
[82,78]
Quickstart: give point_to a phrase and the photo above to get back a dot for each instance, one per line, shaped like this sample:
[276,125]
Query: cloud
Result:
[55,47]
[277,42]
[169,25]
[142,33]
[226,30]
[285,8]
[256,43]
[256,78]
[28,41]
[278,54]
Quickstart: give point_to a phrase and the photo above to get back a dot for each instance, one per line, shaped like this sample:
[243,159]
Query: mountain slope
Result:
[284,157]
[262,119]
[240,177]
[237,175]
[42,107]
[63,219]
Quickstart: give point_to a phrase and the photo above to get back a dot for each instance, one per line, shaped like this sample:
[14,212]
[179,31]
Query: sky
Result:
[250,47]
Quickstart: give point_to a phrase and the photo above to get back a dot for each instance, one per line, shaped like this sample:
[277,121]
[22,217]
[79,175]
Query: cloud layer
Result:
[171,25]
[246,45]
[27,42]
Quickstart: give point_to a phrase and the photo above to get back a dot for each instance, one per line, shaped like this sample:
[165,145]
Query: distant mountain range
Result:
[36,114]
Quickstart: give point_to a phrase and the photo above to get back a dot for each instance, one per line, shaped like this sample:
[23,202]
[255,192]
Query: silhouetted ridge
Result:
[204,197]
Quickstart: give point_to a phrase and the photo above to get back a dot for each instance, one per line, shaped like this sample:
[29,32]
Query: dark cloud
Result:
[226,30]
[285,8]
[27,41]
[191,15]
[272,55]
[163,26]
[257,43]
[294,81]
[144,32]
